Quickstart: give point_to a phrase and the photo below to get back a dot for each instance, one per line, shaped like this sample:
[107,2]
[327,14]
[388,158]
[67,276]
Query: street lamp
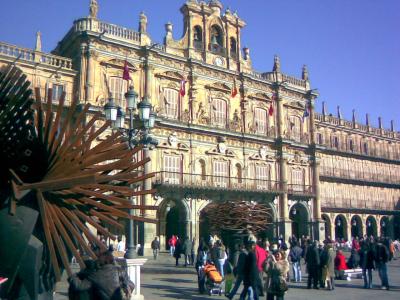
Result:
[138,133]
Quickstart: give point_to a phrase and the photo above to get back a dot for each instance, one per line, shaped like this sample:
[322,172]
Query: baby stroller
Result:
[213,281]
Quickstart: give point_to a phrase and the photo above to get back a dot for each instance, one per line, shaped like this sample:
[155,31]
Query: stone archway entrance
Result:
[340,227]
[356,226]
[299,216]
[371,226]
[328,226]
[175,220]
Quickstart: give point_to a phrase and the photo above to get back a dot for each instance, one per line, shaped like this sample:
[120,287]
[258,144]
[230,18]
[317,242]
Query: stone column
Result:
[81,87]
[284,223]
[318,224]
[89,74]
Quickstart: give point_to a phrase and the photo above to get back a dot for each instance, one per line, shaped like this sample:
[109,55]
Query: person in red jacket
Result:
[340,265]
[261,256]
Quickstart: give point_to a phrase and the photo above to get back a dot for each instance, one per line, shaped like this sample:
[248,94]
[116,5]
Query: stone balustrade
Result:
[29,55]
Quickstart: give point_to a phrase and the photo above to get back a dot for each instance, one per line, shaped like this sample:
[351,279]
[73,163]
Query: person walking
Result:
[178,251]
[381,259]
[295,255]
[328,266]
[238,270]
[367,262]
[155,245]
[221,257]
[250,274]
[276,268]
[313,264]
[187,250]
[261,256]
[172,244]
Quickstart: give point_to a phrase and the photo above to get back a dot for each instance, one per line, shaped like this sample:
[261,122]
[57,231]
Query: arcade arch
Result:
[356,226]
[300,217]
[341,227]
[371,226]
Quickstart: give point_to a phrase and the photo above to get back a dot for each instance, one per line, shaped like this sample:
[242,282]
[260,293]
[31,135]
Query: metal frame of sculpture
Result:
[237,217]
[55,183]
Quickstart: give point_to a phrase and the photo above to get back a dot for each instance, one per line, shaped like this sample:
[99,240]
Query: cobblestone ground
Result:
[162,280]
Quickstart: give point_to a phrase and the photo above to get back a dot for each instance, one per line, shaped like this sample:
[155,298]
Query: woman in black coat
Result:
[367,262]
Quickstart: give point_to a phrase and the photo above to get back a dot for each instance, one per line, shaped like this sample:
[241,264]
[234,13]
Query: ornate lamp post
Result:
[141,121]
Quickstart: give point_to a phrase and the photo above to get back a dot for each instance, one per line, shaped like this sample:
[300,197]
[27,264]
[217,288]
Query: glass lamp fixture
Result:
[144,109]
[120,121]
[110,110]
[131,97]
[152,119]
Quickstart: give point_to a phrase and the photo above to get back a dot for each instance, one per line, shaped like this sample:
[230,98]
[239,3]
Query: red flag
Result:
[234,90]
[125,75]
[182,91]
[271,110]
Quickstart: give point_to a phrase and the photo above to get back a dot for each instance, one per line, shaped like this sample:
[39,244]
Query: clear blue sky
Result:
[352,48]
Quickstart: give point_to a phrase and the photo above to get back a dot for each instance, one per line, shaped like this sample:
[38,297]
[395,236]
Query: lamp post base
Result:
[130,253]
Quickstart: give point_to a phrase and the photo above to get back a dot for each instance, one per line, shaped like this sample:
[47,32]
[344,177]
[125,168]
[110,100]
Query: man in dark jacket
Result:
[251,275]
[187,250]
[295,255]
[155,245]
[238,270]
[381,259]
[313,264]
[367,263]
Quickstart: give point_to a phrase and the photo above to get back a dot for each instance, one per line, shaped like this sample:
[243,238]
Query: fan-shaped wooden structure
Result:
[53,160]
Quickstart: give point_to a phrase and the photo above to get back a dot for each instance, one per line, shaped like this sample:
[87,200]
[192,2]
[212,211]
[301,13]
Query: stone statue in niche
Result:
[201,115]
[186,116]
[236,121]
[263,152]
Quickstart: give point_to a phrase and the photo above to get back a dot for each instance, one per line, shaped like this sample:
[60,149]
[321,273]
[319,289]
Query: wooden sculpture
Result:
[57,176]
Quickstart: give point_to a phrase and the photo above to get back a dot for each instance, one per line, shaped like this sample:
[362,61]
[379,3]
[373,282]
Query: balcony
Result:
[345,204]
[300,190]
[356,175]
[213,185]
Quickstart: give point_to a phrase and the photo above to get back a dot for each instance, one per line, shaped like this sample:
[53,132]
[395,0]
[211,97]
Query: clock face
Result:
[219,61]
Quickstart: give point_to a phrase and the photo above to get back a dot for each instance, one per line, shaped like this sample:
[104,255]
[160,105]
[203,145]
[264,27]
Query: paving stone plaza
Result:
[162,280]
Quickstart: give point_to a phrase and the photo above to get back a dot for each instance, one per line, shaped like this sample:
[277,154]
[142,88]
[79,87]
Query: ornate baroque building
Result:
[320,174]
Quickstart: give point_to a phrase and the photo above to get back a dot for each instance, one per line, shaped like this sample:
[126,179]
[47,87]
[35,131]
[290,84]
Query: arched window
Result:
[260,120]
[335,142]
[171,103]
[351,145]
[198,37]
[233,47]
[219,113]
[295,128]
[216,40]
[320,138]
[365,148]
[118,88]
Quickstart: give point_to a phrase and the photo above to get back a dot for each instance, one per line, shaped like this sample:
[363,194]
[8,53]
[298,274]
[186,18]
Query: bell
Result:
[214,40]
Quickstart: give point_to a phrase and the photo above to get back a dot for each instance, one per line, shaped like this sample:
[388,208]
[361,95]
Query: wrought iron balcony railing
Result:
[217,182]
[343,202]
[299,189]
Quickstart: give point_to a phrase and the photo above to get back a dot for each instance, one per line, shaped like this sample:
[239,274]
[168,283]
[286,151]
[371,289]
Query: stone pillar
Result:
[284,224]
[89,74]
[81,87]
[133,268]
[150,229]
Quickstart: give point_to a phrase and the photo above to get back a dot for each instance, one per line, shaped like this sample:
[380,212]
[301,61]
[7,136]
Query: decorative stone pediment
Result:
[263,154]
[171,75]
[297,159]
[259,96]
[173,143]
[219,86]
[119,63]
[221,149]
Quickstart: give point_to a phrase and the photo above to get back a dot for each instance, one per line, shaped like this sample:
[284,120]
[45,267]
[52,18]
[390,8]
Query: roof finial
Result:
[380,125]
[38,45]
[339,113]
[354,118]
[93,9]
[323,108]
[392,125]
[304,73]
[367,119]
[277,64]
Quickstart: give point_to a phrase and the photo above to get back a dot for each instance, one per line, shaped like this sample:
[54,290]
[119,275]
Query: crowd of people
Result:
[262,267]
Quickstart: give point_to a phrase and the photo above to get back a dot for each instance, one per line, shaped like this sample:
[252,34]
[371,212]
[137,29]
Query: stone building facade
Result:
[320,174]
